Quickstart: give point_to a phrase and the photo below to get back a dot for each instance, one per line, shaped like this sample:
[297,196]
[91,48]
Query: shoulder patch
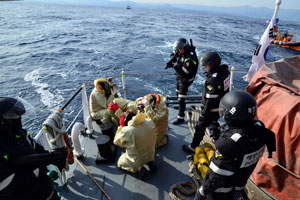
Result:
[236,136]
[217,154]
[209,87]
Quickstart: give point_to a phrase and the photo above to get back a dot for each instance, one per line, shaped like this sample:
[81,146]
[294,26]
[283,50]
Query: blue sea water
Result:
[48,51]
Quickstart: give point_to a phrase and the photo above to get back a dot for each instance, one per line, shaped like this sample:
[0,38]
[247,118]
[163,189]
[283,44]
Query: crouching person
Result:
[154,106]
[118,107]
[136,134]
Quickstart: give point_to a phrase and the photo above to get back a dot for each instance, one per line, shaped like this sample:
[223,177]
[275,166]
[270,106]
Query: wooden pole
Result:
[93,179]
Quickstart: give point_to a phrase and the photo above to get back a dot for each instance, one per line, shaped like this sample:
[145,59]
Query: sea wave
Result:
[48,96]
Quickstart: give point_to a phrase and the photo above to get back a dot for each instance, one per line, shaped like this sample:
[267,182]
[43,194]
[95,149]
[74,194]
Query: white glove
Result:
[114,90]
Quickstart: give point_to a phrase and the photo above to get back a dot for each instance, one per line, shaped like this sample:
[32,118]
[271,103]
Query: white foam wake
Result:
[47,97]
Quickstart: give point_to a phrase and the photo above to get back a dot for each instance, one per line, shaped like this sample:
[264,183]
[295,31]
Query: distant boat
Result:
[285,40]
[128,6]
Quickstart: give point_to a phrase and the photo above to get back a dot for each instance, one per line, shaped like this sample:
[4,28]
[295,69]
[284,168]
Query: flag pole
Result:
[260,53]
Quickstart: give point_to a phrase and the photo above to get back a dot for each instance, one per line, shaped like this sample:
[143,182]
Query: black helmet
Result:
[238,108]
[11,108]
[211,58]
[180,43]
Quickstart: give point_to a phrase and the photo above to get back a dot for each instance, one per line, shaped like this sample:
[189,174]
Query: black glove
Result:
[169,65]
[59,157]
[173,59]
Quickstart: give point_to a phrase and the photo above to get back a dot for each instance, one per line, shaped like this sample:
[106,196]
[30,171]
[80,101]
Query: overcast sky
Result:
[286,4]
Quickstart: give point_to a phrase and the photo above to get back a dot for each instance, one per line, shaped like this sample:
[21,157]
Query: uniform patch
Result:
[226,83]
[252,158]
[209,87]
[217,154]
[232,110]
[187,64]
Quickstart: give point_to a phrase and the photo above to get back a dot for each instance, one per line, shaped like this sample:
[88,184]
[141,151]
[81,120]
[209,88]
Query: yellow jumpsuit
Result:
[124,105]
[159,115]
[99,102]
[139,140]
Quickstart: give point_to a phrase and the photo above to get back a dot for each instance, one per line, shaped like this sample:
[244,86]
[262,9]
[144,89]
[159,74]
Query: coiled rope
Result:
[178,191]
[57,135]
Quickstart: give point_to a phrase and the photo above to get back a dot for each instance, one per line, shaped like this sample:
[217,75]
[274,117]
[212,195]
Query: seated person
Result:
[103,94]
[136,134]
[118,107]
[154,106]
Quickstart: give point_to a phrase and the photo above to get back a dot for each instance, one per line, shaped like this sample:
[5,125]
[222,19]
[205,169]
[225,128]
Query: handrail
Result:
[122,75]
[84,108]
[73,96]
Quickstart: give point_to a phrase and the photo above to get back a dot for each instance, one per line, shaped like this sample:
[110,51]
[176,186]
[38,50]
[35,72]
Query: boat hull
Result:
[295,45]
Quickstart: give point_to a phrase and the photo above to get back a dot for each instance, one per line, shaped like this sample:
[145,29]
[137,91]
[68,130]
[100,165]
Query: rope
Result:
[54,130]
[178,191]
[56,135]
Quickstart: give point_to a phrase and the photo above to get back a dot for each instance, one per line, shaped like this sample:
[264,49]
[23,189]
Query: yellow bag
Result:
[203,170]
[202,158]
[196,161]
[209,154]
[198,150]
[206,147]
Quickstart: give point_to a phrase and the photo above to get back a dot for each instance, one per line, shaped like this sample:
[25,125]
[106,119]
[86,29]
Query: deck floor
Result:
[171,162]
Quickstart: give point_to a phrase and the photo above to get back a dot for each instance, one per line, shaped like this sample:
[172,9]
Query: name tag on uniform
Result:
[252,158]
[226,83]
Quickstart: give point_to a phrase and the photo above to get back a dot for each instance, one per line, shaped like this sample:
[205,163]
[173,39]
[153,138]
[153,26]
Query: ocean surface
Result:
[48,51]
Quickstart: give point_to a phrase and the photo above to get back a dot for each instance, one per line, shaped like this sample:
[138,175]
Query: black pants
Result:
[182,85]
[201,126]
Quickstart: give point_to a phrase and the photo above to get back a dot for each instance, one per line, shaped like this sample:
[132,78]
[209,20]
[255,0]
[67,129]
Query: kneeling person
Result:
[137,135]
[154,106]
[118,107]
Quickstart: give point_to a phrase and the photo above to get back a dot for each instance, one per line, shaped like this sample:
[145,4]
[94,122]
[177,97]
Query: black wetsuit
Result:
[237,152]
[216,86]
[18,181]
[186,70]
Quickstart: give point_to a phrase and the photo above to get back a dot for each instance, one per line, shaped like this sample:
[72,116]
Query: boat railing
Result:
[41,136]
[85,106]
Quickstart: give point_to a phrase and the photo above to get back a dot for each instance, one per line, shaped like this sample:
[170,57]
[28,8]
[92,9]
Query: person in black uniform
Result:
[23,173]
[238,149]
[215,87]
[185,62]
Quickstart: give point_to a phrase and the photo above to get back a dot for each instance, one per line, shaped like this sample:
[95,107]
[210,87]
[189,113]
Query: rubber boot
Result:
[105,154]
[143,173]
[152,167]
[110,133]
